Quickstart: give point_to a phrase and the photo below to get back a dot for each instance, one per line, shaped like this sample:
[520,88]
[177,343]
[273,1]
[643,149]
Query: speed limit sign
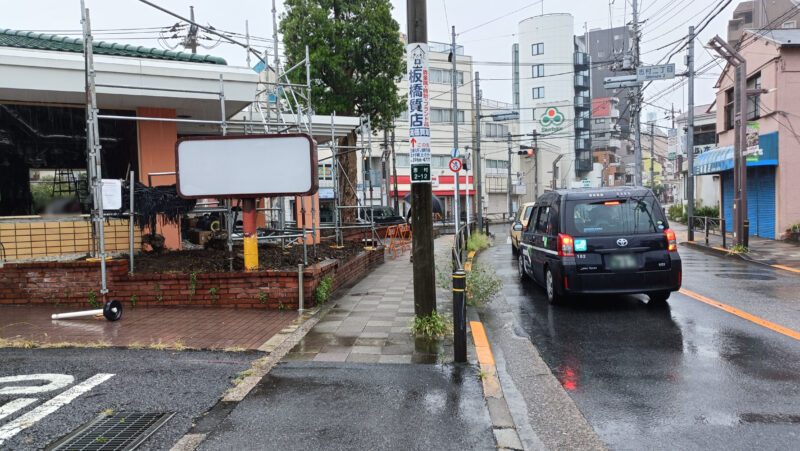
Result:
[455,165]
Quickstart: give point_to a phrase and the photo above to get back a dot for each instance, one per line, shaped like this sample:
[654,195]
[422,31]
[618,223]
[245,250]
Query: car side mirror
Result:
[518,227]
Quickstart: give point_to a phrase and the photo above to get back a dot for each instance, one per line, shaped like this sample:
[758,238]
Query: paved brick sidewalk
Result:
[762,250]
[371,321]
[195,328]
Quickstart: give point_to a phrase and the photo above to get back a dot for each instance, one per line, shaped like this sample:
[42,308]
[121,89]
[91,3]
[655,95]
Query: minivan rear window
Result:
[613,216]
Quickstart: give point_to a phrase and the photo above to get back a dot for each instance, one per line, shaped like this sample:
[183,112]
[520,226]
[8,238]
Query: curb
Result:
[721,252]
[503,426]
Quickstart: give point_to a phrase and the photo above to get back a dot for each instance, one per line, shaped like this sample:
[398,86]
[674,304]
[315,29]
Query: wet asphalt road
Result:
[329,405]
[684,376]
[187,383]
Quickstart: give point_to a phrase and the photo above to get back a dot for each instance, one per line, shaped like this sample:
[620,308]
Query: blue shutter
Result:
[727,197]
[766,202]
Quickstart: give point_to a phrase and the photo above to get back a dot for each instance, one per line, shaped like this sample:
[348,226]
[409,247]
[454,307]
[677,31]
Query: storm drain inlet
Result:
[118,431]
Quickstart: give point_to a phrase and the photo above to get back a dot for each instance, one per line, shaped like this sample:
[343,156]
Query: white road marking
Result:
[29,419]
[57,382]
[508,240]
[14,405]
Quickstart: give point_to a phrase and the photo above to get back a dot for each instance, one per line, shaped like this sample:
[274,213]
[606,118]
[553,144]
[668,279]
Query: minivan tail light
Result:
[566,245]
[672,242]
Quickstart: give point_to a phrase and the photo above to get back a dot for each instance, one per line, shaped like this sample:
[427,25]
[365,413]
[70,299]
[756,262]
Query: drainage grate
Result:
[119,431]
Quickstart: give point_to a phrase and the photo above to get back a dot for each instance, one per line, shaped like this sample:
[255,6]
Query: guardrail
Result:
[709,224]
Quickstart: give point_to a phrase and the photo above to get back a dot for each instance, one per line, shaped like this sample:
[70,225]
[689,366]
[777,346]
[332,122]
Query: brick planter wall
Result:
[71,282]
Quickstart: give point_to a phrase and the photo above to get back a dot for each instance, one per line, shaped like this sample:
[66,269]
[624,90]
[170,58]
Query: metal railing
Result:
[711,226]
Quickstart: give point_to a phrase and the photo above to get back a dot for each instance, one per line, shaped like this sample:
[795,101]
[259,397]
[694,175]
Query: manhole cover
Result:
[745,276]
[118,431]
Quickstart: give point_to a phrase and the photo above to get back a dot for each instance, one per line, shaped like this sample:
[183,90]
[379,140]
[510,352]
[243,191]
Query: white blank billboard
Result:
[246,166]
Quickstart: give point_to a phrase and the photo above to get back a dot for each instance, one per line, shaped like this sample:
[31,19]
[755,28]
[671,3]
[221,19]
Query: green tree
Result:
[356,55]
[356,63]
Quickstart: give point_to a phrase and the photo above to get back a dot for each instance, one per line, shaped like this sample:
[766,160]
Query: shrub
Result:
[432,326]
[482,285]
[323,290]
[477,242]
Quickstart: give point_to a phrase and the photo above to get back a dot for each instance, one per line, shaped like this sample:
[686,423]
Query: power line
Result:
[500,17]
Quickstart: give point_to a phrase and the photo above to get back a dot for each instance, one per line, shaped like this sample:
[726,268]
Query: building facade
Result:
[773,161]
[762,14]
[554,84]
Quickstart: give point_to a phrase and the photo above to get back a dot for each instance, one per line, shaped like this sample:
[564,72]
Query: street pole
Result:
[535,164]
[652,153]
[555,171]
[690,138]
[637,99]
[736,60]
[466,186]
[477,159]
[453,79]
[394,172]
[421,195]
[510,207]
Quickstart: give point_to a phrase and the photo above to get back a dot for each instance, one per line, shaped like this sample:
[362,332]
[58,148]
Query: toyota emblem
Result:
[622,242]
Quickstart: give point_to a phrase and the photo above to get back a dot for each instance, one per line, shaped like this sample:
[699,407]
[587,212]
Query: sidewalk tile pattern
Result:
[194,328]
[371,321]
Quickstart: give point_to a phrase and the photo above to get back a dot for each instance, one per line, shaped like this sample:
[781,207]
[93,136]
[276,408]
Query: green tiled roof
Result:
[31,40]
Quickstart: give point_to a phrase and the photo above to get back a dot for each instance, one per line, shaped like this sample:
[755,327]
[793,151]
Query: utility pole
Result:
[535,164]
[421,193]
[454,80]
[652,153]
[690,137]
[477,159]
[555,171]
[510,207]
[394,172]
[191,37]
[384,171]
[637,100]
[741,224]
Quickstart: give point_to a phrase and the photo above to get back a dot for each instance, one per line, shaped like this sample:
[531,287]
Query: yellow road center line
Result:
[482,347]
[741,314]
[786,268]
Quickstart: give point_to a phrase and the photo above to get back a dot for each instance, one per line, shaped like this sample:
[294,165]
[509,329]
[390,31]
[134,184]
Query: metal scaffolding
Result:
[282,107]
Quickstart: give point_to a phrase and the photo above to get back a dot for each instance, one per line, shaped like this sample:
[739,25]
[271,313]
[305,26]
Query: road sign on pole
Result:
[455,165]
[661,72]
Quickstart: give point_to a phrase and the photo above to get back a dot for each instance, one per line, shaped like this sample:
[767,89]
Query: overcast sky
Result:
[487,29]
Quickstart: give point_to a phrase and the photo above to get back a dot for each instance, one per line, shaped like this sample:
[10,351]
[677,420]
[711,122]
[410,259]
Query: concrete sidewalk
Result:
[360,380]
[776,253]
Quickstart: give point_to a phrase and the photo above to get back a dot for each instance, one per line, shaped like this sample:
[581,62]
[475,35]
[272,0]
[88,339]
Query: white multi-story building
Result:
[552,82]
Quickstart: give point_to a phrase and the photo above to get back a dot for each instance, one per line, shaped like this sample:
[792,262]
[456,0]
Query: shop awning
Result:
[721,159]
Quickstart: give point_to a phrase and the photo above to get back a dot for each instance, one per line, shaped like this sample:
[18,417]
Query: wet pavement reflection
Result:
[680,376]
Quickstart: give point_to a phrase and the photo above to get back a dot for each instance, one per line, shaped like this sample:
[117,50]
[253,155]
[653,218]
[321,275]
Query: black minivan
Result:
[613,240]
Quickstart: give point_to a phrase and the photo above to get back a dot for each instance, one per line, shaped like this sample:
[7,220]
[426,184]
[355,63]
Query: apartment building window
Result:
[599,121]
[403,116]
[496,130]
[790,24]
[442,115]
[754,102]
[537,49]
[443,76]
[402,160]
[538,70]
[496,164]
[729,111]
[538,93]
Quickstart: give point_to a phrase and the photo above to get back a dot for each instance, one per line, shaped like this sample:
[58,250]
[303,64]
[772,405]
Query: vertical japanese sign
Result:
[419,131]
[753,151]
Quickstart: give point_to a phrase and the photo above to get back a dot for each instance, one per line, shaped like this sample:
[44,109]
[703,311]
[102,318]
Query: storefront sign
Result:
[753,151]
[419,131]
[552,120]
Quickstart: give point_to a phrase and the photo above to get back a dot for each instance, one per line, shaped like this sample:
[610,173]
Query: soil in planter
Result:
[210,260]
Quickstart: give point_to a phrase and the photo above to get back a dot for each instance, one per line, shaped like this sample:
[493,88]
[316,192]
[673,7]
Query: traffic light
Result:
[527,151]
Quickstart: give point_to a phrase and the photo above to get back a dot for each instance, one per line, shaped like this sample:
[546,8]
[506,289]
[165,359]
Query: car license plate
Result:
[624,261]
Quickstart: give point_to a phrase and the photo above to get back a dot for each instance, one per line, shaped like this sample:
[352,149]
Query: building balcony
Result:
[582,123]
[581,82]
[583,102]
[583,144]
[582,60]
